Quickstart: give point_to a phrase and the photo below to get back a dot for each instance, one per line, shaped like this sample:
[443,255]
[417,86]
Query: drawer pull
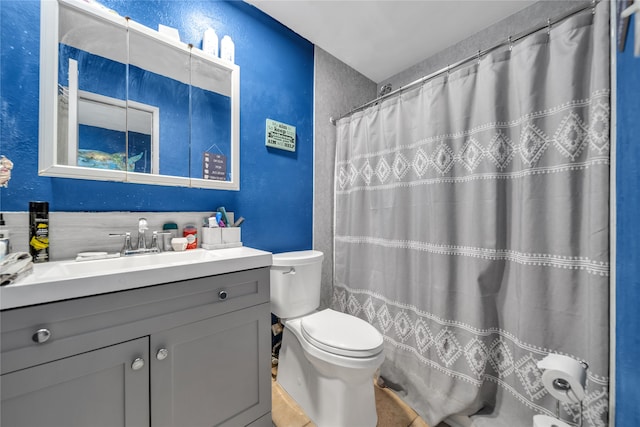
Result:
[41,336]
[222,295]
[162,354]
[137,364]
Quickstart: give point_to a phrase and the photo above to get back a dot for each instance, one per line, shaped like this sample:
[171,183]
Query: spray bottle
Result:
[39,231]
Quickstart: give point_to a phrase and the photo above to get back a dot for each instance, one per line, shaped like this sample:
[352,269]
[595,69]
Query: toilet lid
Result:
[292,259]
[341,334]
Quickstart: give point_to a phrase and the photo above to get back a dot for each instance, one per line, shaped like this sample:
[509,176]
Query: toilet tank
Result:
[295,283]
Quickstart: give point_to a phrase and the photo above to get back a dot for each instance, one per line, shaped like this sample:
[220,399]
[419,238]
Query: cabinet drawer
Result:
[97,388]
[93,322]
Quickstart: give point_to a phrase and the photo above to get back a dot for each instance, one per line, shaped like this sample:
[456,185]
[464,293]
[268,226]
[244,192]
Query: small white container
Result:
[211,235]
[230,234]
[210,42]
[179,244]
[227,49]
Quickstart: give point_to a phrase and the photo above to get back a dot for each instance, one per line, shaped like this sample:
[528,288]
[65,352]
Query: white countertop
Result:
[60,280]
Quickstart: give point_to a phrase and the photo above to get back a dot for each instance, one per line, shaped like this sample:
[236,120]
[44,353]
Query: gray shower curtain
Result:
[472,227]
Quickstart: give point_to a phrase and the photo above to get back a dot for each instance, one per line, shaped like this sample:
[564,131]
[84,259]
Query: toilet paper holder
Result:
[561,384]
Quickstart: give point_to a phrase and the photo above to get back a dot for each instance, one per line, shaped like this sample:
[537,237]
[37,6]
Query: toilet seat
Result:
[545,420]
[341,334]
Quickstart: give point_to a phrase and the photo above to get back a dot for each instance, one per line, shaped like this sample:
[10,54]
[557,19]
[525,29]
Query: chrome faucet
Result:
[126,247]
[142,228]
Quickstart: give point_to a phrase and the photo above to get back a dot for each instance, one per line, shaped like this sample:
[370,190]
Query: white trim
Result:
[72,119]
[64,171]
[612,215]
[235,128]
[47,130]
[145,178]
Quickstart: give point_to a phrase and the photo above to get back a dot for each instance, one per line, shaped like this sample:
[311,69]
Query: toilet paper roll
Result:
[563,377]
[547,421]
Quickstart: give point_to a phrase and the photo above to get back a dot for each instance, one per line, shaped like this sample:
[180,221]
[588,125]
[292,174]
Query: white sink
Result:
[67,269]
[60,280]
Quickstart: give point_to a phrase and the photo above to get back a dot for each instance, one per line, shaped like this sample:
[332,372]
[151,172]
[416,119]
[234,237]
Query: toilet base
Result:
[321,391]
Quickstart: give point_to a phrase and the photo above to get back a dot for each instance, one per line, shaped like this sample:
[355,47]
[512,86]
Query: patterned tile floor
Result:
[392,411]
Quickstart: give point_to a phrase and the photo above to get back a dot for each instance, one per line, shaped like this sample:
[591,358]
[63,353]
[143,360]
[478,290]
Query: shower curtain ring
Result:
[478,56]
[510,43]
[593,7]
[549,28]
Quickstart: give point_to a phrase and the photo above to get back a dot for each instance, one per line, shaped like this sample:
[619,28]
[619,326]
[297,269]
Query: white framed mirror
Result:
[122,102]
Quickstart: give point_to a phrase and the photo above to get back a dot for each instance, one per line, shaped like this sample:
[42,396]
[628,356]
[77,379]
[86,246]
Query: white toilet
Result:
[327,359]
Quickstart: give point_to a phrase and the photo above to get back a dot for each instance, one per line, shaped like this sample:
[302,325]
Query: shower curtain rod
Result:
[477,56]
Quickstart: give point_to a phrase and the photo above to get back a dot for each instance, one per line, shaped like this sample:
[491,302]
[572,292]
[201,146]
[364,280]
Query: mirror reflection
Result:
[161,78]
[211,119]
[83,132]
[103,138]
[134,106]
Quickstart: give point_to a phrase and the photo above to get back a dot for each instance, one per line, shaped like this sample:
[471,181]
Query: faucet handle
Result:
[154,241]
[142,225]
[126,247]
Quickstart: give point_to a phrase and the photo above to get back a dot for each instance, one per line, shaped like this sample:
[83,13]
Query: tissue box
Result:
[221,237]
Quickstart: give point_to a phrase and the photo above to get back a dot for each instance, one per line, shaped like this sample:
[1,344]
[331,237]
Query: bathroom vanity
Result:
[143,350]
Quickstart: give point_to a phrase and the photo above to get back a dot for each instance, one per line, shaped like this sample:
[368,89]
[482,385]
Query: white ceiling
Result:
[382,38]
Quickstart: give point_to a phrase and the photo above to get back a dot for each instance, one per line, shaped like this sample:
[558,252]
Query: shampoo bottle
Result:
[227,49]
[210,42]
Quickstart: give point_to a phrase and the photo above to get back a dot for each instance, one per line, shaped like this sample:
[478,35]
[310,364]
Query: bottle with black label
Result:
[39,231]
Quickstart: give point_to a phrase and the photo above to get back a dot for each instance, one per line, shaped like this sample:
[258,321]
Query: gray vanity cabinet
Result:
[191,353]
[212,369]
[80,391]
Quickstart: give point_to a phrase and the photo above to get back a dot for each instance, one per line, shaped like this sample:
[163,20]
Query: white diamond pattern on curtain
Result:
[474,237]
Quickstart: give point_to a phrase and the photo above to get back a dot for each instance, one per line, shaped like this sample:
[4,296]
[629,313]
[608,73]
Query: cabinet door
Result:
[97,388]
[216,372]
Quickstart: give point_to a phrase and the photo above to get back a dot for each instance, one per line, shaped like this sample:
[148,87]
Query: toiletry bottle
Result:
[39,231]
[210,42]
[191,233]
[227,49]
[5,241]
[172,229]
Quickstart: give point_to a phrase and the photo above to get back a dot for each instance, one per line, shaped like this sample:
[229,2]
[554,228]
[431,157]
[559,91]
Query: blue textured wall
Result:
[276,82]
[628,239]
